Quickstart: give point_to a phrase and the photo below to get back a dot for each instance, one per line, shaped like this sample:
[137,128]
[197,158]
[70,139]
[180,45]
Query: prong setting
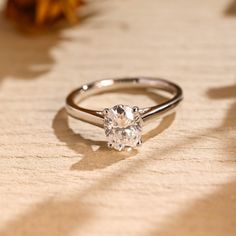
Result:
[105,111]
[135,109]
[109,145]
[123,127]
[139,143]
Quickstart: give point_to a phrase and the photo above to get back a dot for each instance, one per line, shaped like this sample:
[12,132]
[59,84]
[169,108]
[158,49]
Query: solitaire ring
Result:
[122,123]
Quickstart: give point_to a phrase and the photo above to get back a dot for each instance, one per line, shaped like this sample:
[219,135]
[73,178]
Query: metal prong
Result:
[135,109]
[139,142]
[110,145]
[105,111]
[121,147]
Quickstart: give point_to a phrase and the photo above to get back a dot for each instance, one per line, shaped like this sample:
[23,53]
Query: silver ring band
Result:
[97,117]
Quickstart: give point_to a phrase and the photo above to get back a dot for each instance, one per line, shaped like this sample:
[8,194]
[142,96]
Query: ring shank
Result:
[96,117]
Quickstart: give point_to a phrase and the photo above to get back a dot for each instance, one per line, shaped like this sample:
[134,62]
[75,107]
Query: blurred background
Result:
[56,176]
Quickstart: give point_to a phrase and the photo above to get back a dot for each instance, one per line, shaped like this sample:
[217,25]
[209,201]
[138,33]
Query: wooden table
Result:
[56,176]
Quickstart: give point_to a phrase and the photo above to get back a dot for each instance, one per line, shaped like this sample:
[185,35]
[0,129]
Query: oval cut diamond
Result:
[123,126]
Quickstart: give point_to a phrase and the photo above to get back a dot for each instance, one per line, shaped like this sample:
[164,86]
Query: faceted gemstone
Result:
[123,126]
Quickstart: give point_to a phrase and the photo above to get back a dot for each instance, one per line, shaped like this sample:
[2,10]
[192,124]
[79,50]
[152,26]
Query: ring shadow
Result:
[101,157]
[206,217]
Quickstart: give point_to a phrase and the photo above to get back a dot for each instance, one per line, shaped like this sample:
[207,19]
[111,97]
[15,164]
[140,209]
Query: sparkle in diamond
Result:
[123,127]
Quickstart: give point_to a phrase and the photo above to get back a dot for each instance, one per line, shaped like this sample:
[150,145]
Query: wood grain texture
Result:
[56,176]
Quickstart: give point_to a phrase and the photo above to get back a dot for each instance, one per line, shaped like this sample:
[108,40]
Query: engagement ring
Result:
[122,123]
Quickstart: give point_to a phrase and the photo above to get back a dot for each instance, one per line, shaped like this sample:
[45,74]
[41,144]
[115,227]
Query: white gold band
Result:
[97,117]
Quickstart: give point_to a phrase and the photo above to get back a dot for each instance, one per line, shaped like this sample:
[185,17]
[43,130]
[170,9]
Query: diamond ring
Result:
[122,123]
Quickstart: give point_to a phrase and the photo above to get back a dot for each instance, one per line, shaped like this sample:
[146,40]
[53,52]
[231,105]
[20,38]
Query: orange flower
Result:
[42,12]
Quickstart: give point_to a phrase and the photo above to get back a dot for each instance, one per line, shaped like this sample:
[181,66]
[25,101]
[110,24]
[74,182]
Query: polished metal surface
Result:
[96,117]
